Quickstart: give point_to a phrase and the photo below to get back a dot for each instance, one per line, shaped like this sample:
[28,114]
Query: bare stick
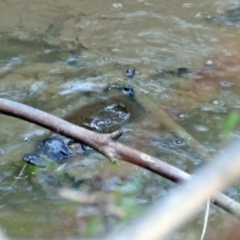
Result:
[104,144]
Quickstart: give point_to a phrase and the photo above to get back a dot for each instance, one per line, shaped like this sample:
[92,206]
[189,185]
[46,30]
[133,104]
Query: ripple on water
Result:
[79,85]
[201,128]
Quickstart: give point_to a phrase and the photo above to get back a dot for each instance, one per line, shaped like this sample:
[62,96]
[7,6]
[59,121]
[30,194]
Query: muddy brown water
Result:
[55,54]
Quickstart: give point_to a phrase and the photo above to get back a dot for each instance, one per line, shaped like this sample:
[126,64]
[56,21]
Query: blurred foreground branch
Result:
[183,202]
[2,235]
[104,144]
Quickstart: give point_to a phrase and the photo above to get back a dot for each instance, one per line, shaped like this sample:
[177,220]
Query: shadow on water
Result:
[61,56]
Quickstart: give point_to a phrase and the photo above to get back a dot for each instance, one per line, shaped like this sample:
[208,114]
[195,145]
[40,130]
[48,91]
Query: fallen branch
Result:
[103,143]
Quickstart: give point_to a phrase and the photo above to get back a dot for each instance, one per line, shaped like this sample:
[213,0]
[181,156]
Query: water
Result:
[54,53]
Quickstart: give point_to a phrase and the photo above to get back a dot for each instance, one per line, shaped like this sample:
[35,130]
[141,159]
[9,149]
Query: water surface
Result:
[56,53]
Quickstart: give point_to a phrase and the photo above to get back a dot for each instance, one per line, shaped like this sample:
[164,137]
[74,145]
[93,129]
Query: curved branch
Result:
[103,143]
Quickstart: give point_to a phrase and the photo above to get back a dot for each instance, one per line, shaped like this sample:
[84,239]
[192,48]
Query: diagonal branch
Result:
[103,143]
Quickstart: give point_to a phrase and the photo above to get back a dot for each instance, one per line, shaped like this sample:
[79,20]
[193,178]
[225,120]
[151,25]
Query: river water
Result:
[54,53]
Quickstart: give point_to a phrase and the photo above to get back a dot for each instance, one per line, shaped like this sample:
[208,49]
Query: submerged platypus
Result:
[106,115]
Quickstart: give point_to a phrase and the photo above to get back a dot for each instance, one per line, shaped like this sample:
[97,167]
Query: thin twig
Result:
[205,220]
[19,175]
